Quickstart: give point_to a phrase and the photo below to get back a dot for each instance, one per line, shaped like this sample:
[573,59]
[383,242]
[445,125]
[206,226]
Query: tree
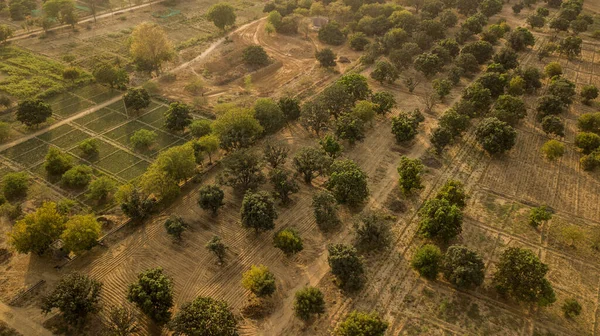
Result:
[153,294]
[200,127]
[347,182]
[453,191]
[211,198]
[385,72]
[89,147]
[473,24]
[520,38]
[331,146]
[588,93]
[538,215]
[325,210]
[463,267]
[77,177]
[536,21]
[62,11]
[346,266]
[521,275]
[507,57]
[337,99]
[70,74]
[290,107]
[114,76]
[440,220]
[143,139]
[177,117]
[255,56]
[136,99]
[37,230]
[56,162]
[268,114]
[427,261]
[494,82]
[258,211]
[589,122]
[518,7]
[310,161]
[429,64]
[553,149]
[288,240]
[81,233]
[358,323]
[410,171]
[516,86]
[349,127]
[550,105]
[466,64]
[571,46]
[358,41]
[221,15]
[373,230]
[571,308]
[208,144]
[563,89]
[394,38]
[259,280]
[121,321]
[15,185]
[5,33]
[442,87]
[175,226]
[101,188]
[509,109]
[203,317]
[314,115]
[448,18]
[216,246]
[454,122]
[308,301]
[32,112]
[587,142]
[559,24]
[482,50]
[384,102]
[242,170]
[133,204]
[275,155]
[495,136]
[331,34]
[326,57]
[177,162]
[283,184]
[552,124]
[579,25]
[236,128]
[76,296]
[150,47]
[404,127]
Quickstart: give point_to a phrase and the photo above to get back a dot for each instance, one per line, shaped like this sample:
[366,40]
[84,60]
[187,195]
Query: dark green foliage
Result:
[520,38]
[101,188]
[349,127]
[385,72]
[384,102]
[336,99]
[539,214]
[520,274]
[373,231]
[507,57]
[518,7]
[268,114]
[550,105]
[204,316]
[275,155]
[211,198]
[473,24]
[77,177]
[448,18]
[177,117]
[258,211]
[136,99]
[479,96]
[440,220]
[307,302]
[283,184]
[288,240]
[454,122]
[89,147]
[357,323]
[571,46]
[57,162]
[175,227]
[467,63]
[138,207]
[216,246]
[588,93]
[589,122]
[552,124]
[427,261]
[331,146]
[121,321]
[454,192]
[429,63]
[355,85]
[259,280]
[442,87]
[495,136]
[440,138]
[358,41]
[76,296]
[347,182]
[587,141]
[290,107]
[571,308]
[579,25]
[15,185]
[310,161]
[559,24]
[331,34]
[490,7]
[395,38]
[410,171]
[325,209]
[467,7]
[242,170]
[462,267]
[563,89]
[326,57]
[509,109]
[221,15]
[32,112]
[482,50]
[346,266]
[494,82]
[153,294]
[112,75]
[404,127]
[255,56]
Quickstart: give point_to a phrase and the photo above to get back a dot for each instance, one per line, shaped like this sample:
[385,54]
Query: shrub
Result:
[77,177]
[89,147]
[587,142]
[571,308]
[15,185]
[357,323]
[427,261]
[326,57]
[348,182]
[553,125]
[57,162]
[288,241]
[308,301]
[358,41]
[255,56]
[259,280]
[553,149]
[143,138]
[373,231]
[538,215]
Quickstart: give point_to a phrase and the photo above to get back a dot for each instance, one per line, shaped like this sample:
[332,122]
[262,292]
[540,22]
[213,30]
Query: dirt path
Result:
[15,319]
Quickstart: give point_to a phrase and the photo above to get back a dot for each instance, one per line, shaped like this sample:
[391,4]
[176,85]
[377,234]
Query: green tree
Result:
[89,147]
[385,72]
[429,64]
[410,171]
[331,34]
[463,267]
[331,146]
[38,230]
[15,185]
[587,142]
[237,128]
[347,182]
[143,138]
[283,184]
[373,231]
[77,177]
[216,246]
[134,205]
[314,115]
[268,114]
[442,87]
[326,57]
[255,56]
[384,102]
[538,215]
[81,233]
[589,122]
[349,127]
[553,69]
[204,316]
[571,308]
[121,321]
[200,127]
[308,301]
[346,266]
[325,210]
[6,32]
[454,192]
[177,117]
[404,127]
[479,96]
[520,274]
[454,122]
[509,109]
[136,99]
[440,220]
[209,144]
[114,76]
[552,124]
[516,86]
[211,198]
[494,82]
[588,93]
[57,162]
[563,89]
[290,107]
[153,294]
[70,74]
[258,211]
[32,112]
[358,41]
[221,15]
[550,105]
[150,47]
[495,136]
[536,21]
[288,240]
[553,149]
[175,226]
[259,280]
[358,323]
[482,50]
[76,296]
[242,170]
[571,46]
[275,155]
[101,189]
[520,38]
[310,161]
[427,261]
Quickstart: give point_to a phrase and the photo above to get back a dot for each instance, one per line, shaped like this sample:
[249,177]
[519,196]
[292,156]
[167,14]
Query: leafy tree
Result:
[259,280]
[442,87]
[37,230]
[70,74]
[495,136]
[550,105]
[453,191]
[410,171]
[62,11]
[236,128]
[355,85]
[121,321]
[314,115]
[467,63]
[143,138]
[467,7]
[448,18]
[258,211]
[579,25]
[326,57]
[507,57]
[290,107]
[563,89]
[347,182]
[473,24]
[587,142]
[153,294]
[331,146]
[349,127]
[518,7]
[385,72]
[440,219]
[175,226]
[427,261]
[81,233]
[203,317]
[539,214]
[553,149]
[200,127]
[463,267]
[404,127]
[6,32]
[242,170]
[454,122]
[588,93]
[373,230]
[336,99]
[136,99]
[114,76]
[490,7]
[77,177]
[429,64]
[135,205]
[89,147]
[357,323]
[571,308]
[521,275]
[211,198]
[482,50]
[32,112]
[101,188]
[589,122]
[559,24]
[76,296]
[283,184]
[346,266]
[216,246]
[536,21]
[308,301]
[405,20]
[516,86]
[288,240]
[177,117]
[325,209]
[150,47]
[177,162]
[384,102]
[331,34]
[268,114]
[15,185]
[57,162]
[358,41]
[394,38]
[221,15]
[509,109]
[310,161]
[552,124]
[494,82]
[255,56]
[571,46]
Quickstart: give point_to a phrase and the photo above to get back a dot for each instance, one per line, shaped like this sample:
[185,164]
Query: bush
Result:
[200,128]
[143,139]
[331,34]
[57,162]
[553,69]
[89,147]
[427,261]
[571,308]
[588,93]
[259,280]
[589,122]
[553,149]
[5,131]
[538,215]
[255,56]
[308,301]
[553,125]
[346,266]
[15,185]
[77,177]
[357,323]
[288,241]
[326,57]
[462,267]
[175,226]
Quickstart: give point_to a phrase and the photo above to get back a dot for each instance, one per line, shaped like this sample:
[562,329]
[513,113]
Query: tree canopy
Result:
[221,14]
[204,316]
[76,296]
[153,294]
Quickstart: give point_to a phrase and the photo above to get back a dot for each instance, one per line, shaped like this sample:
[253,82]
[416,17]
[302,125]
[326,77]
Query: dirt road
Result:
[16,320]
